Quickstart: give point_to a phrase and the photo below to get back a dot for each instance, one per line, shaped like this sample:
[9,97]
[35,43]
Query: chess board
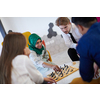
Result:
[65,71]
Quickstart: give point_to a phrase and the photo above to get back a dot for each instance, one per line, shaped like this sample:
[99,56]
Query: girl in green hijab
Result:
[39,55]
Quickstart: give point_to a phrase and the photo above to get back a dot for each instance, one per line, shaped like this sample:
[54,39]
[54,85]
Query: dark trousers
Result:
[73,54]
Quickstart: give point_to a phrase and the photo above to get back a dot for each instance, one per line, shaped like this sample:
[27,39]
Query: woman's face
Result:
[38,44]
[26,51]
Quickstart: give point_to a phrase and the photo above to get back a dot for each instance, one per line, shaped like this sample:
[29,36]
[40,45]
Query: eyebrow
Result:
[38,42]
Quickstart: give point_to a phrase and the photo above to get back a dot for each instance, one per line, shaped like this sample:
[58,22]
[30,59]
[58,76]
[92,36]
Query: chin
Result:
[66,33]
[39,47]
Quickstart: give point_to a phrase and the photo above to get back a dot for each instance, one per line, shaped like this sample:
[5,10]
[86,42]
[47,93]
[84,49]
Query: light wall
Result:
[37,25]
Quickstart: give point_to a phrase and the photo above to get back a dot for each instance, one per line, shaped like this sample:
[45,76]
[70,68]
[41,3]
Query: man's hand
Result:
[96,68]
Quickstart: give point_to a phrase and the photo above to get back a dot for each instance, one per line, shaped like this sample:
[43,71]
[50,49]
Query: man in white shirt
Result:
[71,36]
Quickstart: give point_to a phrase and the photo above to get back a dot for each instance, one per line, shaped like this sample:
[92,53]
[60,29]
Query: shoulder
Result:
[83,45]
[20,59]
[32,53]
[73,25]
[74,28]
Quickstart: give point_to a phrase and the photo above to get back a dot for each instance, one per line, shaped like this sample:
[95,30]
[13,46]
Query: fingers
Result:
[56,68]
[51,81]
[96,74]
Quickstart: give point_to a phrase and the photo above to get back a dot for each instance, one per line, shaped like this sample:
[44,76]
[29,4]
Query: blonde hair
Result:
[62,21]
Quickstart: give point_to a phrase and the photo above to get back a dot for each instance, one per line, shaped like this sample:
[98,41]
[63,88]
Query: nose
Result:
[64,30]
[40,43]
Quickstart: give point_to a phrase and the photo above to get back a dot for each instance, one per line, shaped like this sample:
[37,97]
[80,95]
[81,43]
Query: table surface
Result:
[70,77]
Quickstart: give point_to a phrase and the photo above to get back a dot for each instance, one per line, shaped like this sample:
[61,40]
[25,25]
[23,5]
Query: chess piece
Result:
[68,71]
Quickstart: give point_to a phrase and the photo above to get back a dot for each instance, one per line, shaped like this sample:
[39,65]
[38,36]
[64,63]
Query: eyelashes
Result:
[38,42]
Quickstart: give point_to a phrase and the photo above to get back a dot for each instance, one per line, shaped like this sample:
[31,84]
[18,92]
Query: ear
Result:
[69,22]
[80,27]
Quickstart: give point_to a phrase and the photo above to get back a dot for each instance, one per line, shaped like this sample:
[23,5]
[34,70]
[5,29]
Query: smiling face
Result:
[65,28]
[38,44]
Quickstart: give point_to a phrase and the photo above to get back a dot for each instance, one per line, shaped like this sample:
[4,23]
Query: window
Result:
[2,35]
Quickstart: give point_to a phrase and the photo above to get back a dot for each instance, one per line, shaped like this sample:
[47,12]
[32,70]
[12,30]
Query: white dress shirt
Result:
[76,34]
[24,72]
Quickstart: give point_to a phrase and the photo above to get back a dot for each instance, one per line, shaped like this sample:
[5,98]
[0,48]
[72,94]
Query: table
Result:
[69,78]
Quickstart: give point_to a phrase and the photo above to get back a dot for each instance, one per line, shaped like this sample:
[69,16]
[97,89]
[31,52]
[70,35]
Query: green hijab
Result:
[32,40]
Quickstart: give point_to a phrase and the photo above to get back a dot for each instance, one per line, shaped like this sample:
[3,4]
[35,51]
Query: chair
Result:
[27,34]
[50,59]
[2,43]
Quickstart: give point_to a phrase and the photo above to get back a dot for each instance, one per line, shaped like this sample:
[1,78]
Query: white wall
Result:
[38,25]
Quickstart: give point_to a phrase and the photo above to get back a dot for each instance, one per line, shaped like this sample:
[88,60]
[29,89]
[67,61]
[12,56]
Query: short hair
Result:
[62,21]
[84,21]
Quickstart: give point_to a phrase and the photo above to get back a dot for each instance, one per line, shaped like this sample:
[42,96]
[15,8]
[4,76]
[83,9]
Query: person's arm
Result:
[35,75]
[37,61]
[86,61]
[86,69]
[68,41]
[54,67]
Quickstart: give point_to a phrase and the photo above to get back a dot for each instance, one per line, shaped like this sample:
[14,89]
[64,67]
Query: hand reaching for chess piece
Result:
[56,68]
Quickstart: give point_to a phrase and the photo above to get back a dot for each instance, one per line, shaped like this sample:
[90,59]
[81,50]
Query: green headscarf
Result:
[32,40]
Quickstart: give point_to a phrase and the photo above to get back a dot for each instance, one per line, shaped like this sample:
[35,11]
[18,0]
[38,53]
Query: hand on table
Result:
[50,80]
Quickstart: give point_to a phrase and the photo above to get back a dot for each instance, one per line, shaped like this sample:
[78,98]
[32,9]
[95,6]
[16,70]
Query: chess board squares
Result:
[65,71]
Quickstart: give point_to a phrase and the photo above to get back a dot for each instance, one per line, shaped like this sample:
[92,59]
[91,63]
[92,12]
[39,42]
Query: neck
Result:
[85,30]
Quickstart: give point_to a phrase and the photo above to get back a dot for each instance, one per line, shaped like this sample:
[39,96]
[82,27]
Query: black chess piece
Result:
[56,78]
[64,65]
[61,74]
[68,71]
[52,74]
[71,70]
